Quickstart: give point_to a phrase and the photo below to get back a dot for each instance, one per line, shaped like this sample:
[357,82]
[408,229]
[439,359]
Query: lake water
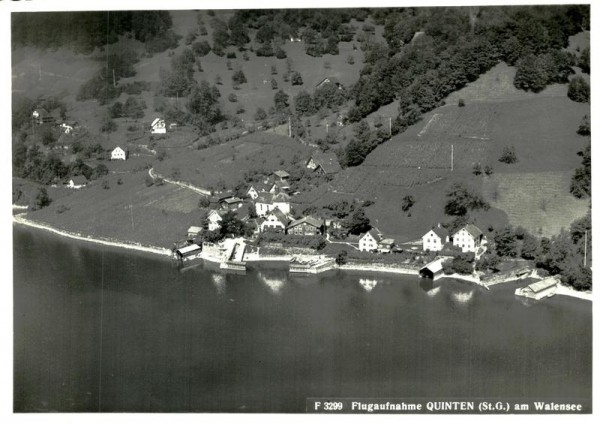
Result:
[99,329]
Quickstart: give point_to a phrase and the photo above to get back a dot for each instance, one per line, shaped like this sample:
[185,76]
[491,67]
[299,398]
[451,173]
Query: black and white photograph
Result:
[315,209]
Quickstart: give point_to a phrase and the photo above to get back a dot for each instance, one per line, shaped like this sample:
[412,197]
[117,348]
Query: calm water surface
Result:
[98,329]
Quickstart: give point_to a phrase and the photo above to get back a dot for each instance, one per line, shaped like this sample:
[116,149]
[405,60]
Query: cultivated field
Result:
[537,201]
[226,164]
[157,215]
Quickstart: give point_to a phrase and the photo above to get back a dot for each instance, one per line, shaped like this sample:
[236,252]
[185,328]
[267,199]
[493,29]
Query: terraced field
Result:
[538,201]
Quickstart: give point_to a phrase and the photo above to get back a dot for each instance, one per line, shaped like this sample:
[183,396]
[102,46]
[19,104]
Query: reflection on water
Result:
[463,298]
[218,281]
[125,332]
[275,284]
[433,291]
[367,284]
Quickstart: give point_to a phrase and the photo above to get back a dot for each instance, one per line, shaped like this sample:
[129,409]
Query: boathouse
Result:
[433,270]
[188,252]
[540,289]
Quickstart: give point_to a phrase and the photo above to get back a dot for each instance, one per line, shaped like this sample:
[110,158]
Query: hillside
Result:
[542,128]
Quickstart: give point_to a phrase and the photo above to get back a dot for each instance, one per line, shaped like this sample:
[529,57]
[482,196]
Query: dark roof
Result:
[317,223]
[281,197]
[231,200]
[79,179]
[473,230]
[441,232]
[265,198]
[328,161]
[280,216]
[376,236]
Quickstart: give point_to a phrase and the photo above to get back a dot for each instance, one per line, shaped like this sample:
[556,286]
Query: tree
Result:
[238,77]
[579,90]
[232,226]
[296,78]
[477,169]
[260,114]
[581,182]
[303,103]
[584,60]
[509,155]
[506,242]
[273,83]
[41,199]
[584,126]
[461,264]
[358,223]
[281,100]
[529,246]
[342,258]
[407,202]
[203,104]
[107,124]
[460,200]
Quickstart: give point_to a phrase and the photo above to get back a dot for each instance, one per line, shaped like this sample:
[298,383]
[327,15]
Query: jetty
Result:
[234,255]
[312,266]
[540,289]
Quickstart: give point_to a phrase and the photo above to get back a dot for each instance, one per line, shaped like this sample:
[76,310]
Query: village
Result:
[261,225]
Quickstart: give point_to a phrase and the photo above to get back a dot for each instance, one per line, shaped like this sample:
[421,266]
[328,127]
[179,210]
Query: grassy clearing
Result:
[160,215]
[227,163]
[538,201]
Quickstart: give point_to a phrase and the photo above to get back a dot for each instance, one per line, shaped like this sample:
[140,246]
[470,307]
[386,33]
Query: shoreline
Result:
[19,219]
[76,236]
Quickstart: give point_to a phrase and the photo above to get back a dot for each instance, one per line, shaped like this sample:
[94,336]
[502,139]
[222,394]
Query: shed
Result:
[433,269]
[540,289]
[193,231]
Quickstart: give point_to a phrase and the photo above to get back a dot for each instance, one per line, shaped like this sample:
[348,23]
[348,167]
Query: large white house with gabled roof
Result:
[435,239]
[468,238]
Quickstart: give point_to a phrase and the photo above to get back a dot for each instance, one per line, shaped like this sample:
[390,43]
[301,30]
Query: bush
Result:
[232,98]
[461,103]
[477,169]
[579,90]
[509,155]
[461,200]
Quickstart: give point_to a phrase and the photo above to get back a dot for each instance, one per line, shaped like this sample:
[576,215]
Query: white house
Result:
[368,242]
[118,154]
[158,126]
[252,193]
[77,182]
[435,239]
[267,202]
[275,221]
[214,220]
[67,129]
[468,238]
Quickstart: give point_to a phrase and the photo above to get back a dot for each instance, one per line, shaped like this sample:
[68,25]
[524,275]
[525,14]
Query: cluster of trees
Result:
[85,31]
[132,108]
[581,182]
[535,72]
[456,46]
[579,90]
[353,216]
[32,164]
[231,226]
[103,85]
[562,254]
[461,200]
[320,29]
[364,142]
[329,96]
